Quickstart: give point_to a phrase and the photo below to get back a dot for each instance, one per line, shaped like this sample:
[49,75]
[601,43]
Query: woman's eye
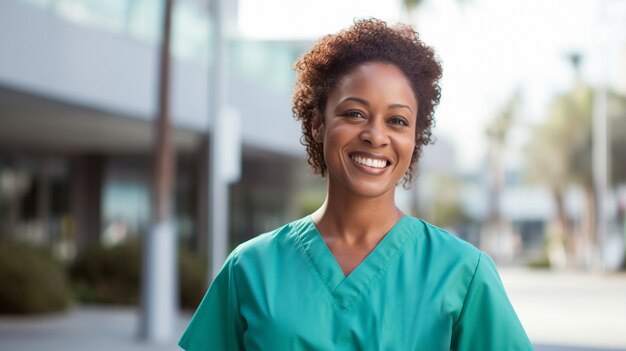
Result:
[353,114]
[399,121]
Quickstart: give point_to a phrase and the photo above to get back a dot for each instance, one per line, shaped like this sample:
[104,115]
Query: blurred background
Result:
[108,131]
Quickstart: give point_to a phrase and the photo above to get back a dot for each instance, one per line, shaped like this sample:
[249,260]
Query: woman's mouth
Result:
[370,164]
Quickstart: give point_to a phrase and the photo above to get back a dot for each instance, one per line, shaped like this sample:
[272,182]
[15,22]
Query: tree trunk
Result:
[559,245]
[588,244]
[159,284]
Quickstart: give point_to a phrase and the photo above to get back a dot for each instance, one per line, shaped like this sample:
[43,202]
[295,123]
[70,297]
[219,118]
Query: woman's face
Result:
[369,130]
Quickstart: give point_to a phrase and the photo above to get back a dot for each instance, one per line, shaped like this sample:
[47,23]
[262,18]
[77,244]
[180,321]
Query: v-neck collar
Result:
[346,290]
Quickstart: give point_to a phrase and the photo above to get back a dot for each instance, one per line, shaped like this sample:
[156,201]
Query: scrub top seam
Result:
[301,245]
[233,265]
[469,286]
[244,322]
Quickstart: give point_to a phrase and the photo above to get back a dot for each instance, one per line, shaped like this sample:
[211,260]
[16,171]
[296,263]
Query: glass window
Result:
[40,3]
[191,32]
[144,21]
[265,62]
[141,20]
[111,15]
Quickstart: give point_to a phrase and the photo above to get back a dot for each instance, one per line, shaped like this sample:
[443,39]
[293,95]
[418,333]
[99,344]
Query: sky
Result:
[488,49]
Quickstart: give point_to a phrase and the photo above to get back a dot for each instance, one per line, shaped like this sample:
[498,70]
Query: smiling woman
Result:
[367,131]
[334,56]
[358,274]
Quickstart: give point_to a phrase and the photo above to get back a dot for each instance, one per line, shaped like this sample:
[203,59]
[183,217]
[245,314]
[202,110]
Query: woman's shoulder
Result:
[440,243]
[439,236]
[272,242]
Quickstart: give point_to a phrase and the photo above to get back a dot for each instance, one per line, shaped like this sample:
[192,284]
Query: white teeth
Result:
[370,162]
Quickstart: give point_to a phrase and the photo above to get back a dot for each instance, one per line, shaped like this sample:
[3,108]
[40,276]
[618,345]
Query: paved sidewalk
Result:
[83,328]
[561,312]
[569,308]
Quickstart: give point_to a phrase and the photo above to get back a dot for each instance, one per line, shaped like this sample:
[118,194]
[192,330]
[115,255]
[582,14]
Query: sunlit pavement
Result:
[582,311]
[561,312]
[83,328]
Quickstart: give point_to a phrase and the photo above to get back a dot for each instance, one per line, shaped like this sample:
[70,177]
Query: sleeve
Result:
[487,320]
[217,324]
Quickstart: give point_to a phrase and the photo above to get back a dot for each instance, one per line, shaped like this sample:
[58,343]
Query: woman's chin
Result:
[371,189]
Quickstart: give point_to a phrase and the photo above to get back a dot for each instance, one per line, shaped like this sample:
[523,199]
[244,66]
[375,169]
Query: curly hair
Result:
[369,40]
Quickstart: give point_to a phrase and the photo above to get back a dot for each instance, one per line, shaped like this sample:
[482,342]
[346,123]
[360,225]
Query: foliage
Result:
[309,202]
[541,263]
[447,210]
[617,130]
[498,133]
[192,278]
[559,153]
[113,275]
[31,280]
[411,4]
[108,275]
[500,127]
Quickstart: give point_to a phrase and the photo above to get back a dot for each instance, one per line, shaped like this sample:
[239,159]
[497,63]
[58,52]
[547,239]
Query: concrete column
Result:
[87,175]
[202,220]
[43,201]
[160,279]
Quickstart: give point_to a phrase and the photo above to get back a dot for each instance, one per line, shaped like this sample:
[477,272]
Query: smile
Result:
[369,162]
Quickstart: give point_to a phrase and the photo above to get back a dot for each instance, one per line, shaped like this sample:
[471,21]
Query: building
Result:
[77,103]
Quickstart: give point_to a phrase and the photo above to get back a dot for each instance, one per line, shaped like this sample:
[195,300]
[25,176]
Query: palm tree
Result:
[497,133]
[559,156]
[411,4]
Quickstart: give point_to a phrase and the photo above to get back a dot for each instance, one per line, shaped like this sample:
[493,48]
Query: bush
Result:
[542,262]
[113,275]
[108,275]
[31,281]
[192,278]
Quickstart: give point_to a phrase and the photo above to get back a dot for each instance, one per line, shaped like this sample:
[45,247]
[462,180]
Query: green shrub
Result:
[108,275]
[542,262]
[31,281]
[113,275]
[192,278]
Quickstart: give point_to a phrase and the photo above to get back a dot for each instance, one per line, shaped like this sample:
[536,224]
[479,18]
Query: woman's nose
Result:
[375,134]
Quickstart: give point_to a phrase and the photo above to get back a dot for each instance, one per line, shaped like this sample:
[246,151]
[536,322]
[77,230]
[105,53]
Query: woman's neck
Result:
[352,219]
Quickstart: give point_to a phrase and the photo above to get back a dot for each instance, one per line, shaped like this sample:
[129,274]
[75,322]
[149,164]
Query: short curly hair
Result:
[368,40]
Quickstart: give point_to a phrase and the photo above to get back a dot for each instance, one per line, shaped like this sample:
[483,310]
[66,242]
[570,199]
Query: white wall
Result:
[45,55]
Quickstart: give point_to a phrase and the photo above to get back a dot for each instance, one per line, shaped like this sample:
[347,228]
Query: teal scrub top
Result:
[421,288]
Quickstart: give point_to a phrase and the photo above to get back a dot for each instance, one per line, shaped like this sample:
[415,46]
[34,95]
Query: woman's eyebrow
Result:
[366,103]
[400,106]
[356,99]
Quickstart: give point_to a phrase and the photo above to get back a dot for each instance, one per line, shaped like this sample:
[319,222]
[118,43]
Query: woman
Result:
[358,274]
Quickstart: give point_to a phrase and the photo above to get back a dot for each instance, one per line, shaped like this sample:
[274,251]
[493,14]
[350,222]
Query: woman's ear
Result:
[317,129]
